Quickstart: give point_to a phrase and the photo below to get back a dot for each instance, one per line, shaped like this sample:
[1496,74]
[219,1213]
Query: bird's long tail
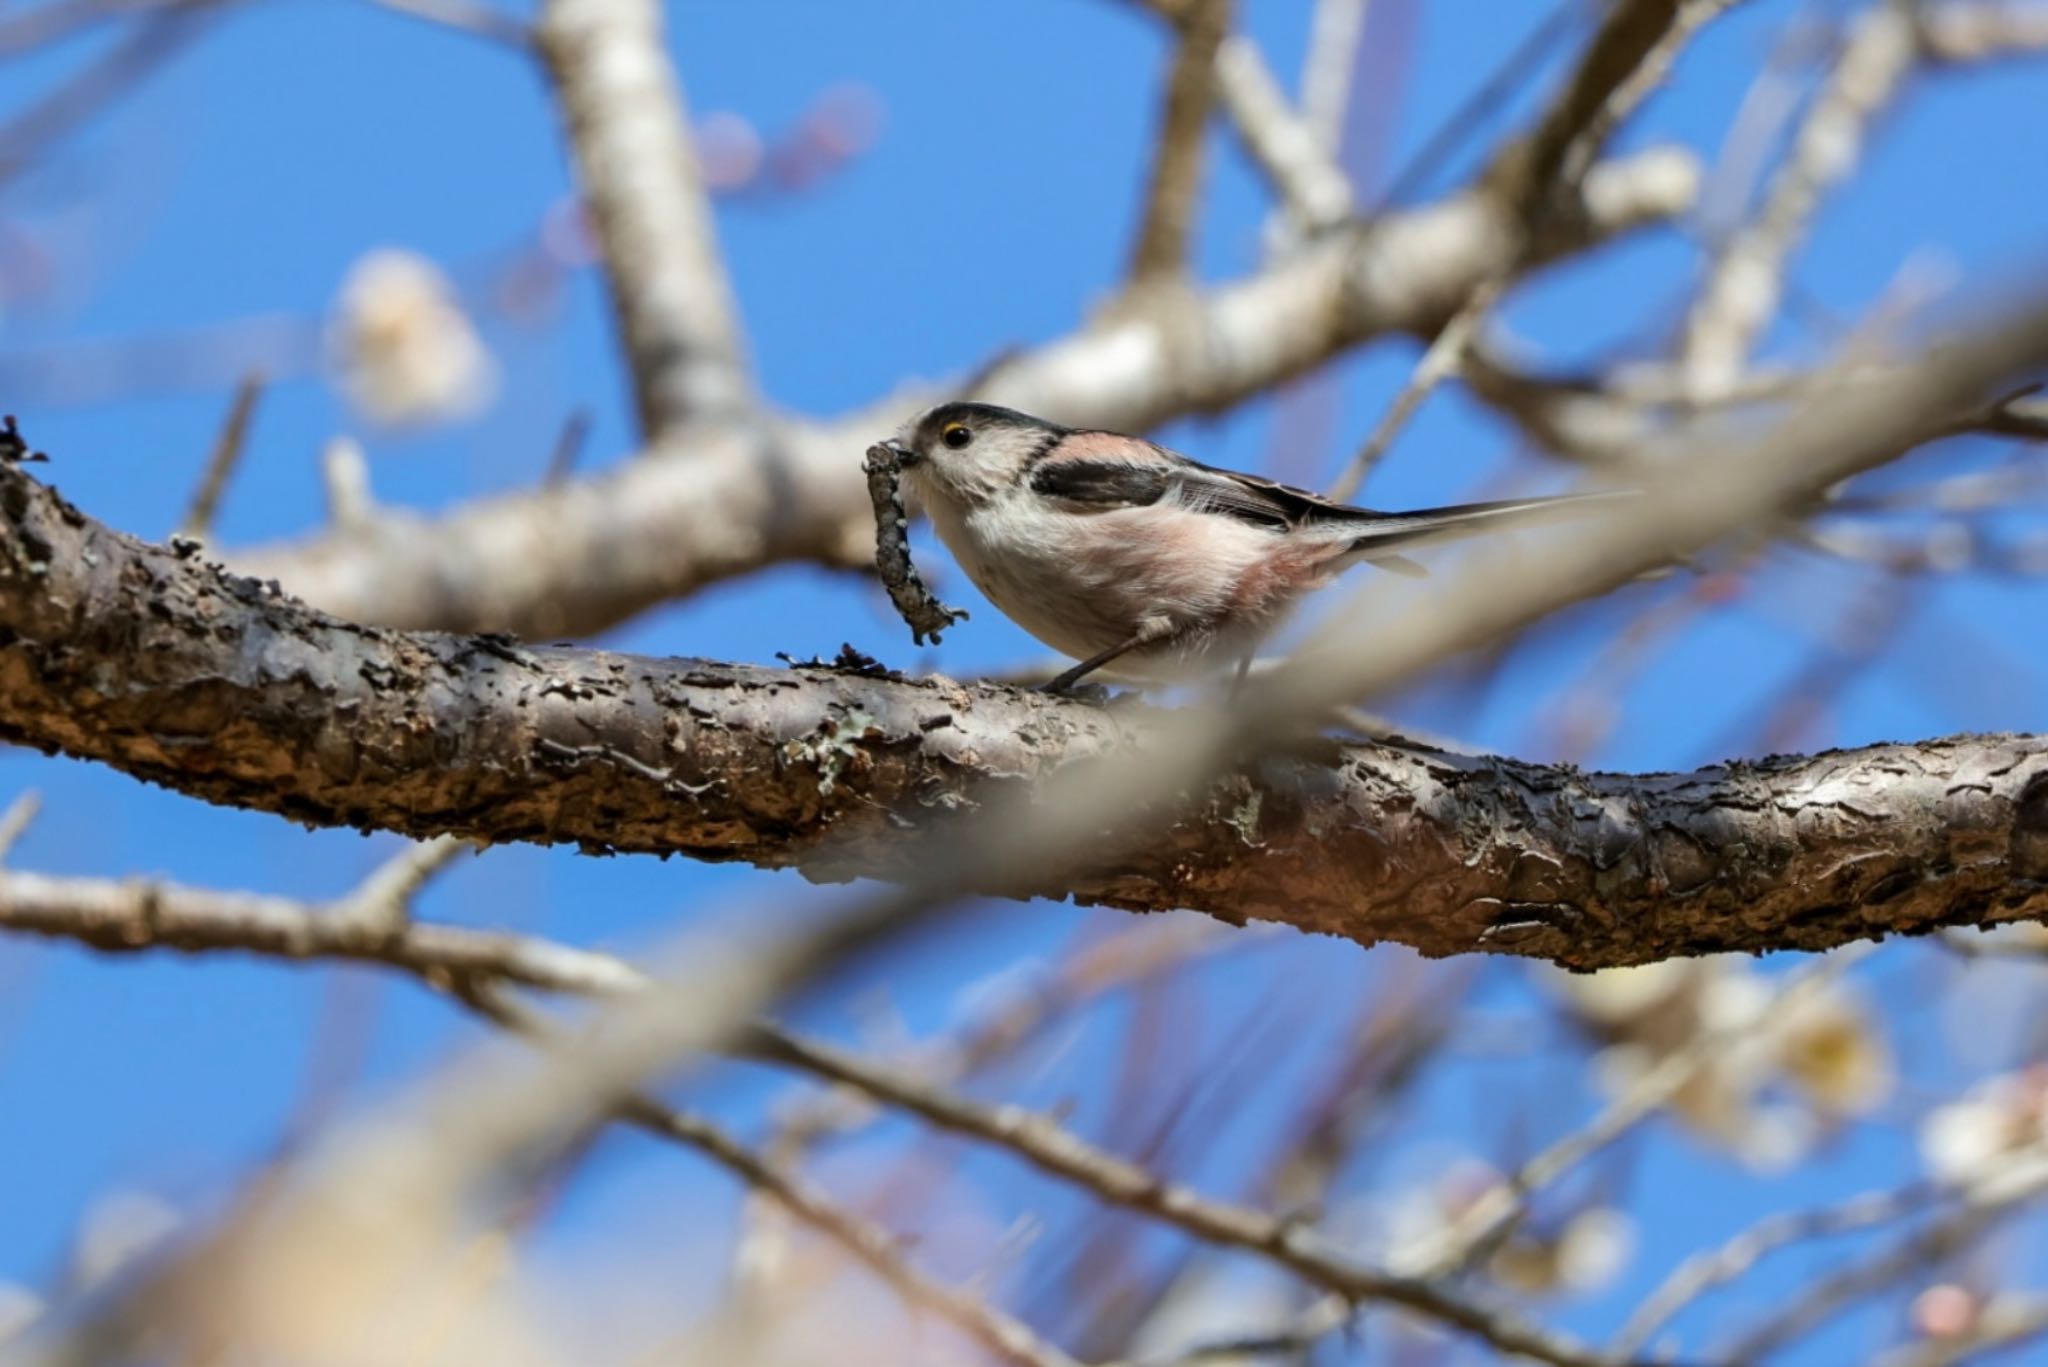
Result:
[1375,536]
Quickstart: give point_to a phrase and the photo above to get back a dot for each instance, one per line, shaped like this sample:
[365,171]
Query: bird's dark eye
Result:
[956,435]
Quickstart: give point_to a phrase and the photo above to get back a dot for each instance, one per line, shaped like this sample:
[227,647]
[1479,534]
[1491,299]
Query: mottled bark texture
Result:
[172,670]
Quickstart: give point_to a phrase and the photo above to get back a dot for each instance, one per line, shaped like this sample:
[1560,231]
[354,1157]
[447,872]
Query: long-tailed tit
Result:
[1140,563]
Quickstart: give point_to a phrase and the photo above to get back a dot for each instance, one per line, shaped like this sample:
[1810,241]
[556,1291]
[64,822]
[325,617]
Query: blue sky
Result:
[994,209]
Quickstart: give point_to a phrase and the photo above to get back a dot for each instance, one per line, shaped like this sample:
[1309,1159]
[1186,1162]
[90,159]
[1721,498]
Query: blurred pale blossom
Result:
[1993,1140]
[1833,1054]
[1619,995]
[1581,1256]
[1945,1311]
[405,352]
[730,149]
[1779,1073]
[1578,1254]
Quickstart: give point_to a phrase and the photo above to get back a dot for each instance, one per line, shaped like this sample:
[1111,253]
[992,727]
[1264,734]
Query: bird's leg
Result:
[1145,635]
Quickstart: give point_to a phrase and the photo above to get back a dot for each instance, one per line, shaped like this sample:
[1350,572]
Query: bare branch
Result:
[1532,169]
[272,706]
[399,1188]
[1954,1231]
[163,31]
[589,553]
[1704,1271]
[1535,175]
[15,820]
[1480,1226]
[465,16]
[869,1243]
[1443,358]
[383,903]
[627,124]
[2005,1321]
[135,916]
[227,453]
[1978,30]
[1334,35]
[1159,256]
[1485,99]
[1316,192]
[1746,280]
[1044,1144]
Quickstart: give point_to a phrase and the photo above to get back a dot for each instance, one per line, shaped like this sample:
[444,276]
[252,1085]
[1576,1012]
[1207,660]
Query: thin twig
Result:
[15,821]
[138,916]
[1704,1271]
[1925,1247]
[1440,360]
[382,903]
[227,454]
[869,1243]
[460,16]
[1520,65]
[1630,54]
[160,36]
[569,445]
[1482,1224]
[1040,1141]
[45,24]
[2005,1321]
[1594,97]
[1327,68]
[1979,30]
[1746,280]
[1129,958]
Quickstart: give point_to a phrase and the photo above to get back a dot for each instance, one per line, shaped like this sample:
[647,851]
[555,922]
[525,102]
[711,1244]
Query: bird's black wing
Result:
[1257,499]
[1099,485]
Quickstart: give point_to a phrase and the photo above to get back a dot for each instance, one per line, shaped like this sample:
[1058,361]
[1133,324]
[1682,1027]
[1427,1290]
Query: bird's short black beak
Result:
[904,455]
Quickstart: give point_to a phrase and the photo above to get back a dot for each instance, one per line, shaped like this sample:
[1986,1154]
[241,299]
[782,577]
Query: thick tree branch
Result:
[171,670]
[585,554]
[1531,169]
[1301,168]
[627,125]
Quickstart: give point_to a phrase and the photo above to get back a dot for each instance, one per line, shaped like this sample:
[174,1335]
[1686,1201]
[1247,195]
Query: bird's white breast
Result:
[1083,582]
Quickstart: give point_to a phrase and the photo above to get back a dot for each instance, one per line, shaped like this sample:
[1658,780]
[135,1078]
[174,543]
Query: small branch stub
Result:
[926,615]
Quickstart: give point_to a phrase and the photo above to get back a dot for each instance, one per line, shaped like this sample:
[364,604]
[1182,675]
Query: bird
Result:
[1142,564]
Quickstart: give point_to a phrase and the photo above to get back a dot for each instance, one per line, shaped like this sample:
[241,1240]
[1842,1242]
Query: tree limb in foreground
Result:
[218,686]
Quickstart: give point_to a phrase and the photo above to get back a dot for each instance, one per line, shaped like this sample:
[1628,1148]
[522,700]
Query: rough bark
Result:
[177,672]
